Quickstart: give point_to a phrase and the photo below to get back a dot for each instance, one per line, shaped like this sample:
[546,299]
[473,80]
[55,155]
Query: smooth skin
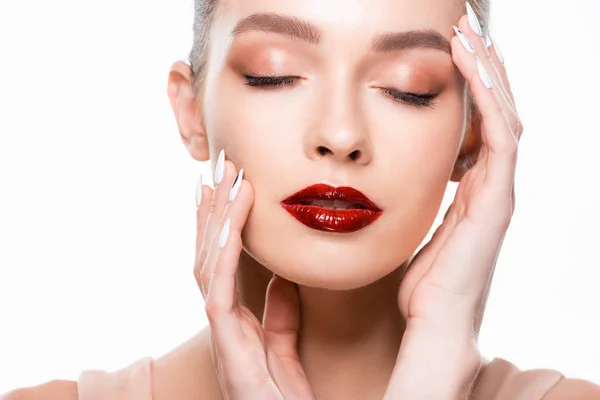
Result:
[261,355]
[442,296]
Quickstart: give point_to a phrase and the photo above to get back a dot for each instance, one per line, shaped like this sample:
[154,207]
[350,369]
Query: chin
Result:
[332,261]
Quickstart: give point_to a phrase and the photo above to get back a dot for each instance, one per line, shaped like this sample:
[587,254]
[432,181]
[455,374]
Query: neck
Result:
[341,331]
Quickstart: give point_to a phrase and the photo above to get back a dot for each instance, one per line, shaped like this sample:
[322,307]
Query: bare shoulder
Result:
[499,377]
[52,390]
[573,389]
[187,372]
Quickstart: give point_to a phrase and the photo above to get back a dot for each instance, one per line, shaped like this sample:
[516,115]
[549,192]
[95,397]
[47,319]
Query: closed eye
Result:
[270,81]
[417,99]
[275,82]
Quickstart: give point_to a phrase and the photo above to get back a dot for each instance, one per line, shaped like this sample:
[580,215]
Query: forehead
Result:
[346,18]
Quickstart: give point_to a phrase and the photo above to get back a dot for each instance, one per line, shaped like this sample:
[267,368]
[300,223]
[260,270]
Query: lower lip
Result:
[329,220]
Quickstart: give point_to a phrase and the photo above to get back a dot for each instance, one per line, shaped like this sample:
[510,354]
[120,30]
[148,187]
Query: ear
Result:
[187,110]
[469,150]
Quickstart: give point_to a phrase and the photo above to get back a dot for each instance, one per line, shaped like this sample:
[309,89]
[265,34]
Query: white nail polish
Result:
[473,20]
[498,52]
[237,183]
[199,191]
[464,40]
[487,40]
[224,234]
[220,168]
[483,74]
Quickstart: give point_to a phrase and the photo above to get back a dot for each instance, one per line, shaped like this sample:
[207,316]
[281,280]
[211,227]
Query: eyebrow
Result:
[300,29]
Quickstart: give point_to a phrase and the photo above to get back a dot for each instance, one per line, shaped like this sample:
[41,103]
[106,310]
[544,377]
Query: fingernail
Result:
[464,40]
[473,20]
[498,52]
[220,168]
[487,40]
[483,74]
[224,234]
[199,191]
[237,183]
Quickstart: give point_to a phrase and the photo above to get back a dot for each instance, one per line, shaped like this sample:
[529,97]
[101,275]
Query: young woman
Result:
[334,128]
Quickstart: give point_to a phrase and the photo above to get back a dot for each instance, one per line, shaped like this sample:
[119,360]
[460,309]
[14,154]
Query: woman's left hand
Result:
[444,291]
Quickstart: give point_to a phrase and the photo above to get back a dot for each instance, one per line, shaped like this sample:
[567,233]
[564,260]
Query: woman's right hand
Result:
[252,360]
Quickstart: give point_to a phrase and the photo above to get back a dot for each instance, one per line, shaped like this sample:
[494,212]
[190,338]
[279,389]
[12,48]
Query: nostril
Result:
[323,150]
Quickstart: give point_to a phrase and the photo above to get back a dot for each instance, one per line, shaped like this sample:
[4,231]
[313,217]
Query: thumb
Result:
[281,323]
[281,318]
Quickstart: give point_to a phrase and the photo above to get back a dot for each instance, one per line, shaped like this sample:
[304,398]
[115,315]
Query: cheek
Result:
[252,125]
[419,145]
[420,149]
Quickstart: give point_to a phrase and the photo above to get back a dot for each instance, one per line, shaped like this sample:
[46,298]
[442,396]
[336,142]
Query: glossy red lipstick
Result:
[332,209]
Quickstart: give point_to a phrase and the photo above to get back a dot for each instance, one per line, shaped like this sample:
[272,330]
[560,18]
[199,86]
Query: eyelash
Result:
[274,82]
[417,99]
[270,81]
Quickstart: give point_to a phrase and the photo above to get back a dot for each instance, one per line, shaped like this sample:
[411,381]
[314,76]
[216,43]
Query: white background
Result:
[96,189]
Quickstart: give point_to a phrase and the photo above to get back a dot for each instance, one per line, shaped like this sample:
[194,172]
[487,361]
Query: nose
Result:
[340,133]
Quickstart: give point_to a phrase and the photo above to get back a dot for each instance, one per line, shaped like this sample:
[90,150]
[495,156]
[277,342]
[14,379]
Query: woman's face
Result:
[340,120]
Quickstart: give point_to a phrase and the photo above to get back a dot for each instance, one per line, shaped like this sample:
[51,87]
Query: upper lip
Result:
[323,191]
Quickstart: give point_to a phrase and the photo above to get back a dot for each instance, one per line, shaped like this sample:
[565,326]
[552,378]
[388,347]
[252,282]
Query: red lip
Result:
[363,211]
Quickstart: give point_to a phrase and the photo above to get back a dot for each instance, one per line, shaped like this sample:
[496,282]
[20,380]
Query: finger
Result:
[502,95]
[470,26]
[480,50]
[420,264]
[281,324]
[218,175]
[217,208]
[225,317]
[225,329]
[281,319]
[220,299]
[497,137]
[204,195]
[498,63]
[463,290]
[237,211]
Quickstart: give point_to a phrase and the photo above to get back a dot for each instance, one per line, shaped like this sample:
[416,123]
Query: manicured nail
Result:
[498,52]
[237,183]
[483,74]
[199,191]
[220,168]
[464,40]
[473,20]
[487,40]
[224,234]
